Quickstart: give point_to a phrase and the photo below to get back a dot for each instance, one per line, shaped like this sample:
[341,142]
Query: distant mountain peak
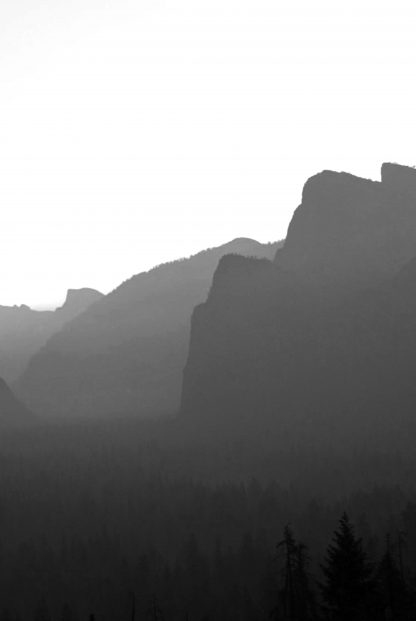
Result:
[321,342]
[352,229]
[126,353]
[78,300]
[242,241]
[398,175]
[23,331]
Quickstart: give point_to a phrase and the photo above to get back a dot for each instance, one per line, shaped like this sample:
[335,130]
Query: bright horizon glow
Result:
[137,132]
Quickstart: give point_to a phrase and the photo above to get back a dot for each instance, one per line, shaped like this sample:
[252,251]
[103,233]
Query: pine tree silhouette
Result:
[393,595]
[288,592]
[133,607]
[348,585]
[306,608]
[295,600]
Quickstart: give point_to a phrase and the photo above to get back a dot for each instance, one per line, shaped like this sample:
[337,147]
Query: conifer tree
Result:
[133,607]
[393,596]
[348,585]
[288,592]
[295,600]
[305,598]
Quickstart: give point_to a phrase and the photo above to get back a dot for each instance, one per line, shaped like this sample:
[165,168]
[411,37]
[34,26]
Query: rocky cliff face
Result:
[76,302]
[322,341]
[24,331]
[349,230]
[126,353]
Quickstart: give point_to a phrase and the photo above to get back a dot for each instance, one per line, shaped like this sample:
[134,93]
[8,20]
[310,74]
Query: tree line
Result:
[120,525]
[348,585]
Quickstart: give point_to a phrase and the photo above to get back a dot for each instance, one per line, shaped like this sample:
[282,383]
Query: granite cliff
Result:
[24,331]
[125,354]
[320,343]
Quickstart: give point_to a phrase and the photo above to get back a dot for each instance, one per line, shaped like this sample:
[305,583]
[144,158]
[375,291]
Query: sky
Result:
[133,132]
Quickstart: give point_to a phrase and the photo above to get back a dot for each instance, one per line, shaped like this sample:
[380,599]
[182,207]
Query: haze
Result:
[132,133]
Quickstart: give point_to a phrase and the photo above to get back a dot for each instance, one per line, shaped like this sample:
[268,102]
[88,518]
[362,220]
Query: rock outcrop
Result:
[321,343]
[349,230]
[126,353]
[76,302]
[24,331]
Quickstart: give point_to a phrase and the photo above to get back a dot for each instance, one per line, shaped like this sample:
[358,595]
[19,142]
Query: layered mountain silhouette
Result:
[126,353]
[24,331]
[321,342]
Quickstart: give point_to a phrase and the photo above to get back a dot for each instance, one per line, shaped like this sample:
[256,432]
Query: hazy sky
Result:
[134,132]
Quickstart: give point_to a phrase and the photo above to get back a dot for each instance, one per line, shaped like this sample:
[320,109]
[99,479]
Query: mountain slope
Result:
[321,344]
[24,331]
[126,353]
[11,410]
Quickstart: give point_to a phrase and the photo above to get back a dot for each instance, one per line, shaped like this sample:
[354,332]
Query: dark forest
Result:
[227,437]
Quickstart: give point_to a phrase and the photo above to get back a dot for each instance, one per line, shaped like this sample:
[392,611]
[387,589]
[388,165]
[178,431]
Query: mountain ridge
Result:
[23,331]
[305,345]
[126,353]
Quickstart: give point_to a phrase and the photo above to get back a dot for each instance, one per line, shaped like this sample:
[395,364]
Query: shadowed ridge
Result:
[238,267]
[246,243]
[396,175]
[322,345]
[126,353]
[24,331]
[11,409]
[352,231]
[199,263]
[78,300]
